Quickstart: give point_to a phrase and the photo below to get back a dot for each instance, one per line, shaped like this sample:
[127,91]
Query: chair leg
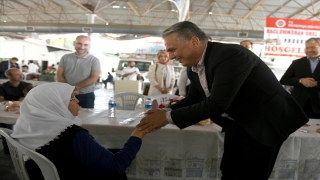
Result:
[5,145]
[4,141]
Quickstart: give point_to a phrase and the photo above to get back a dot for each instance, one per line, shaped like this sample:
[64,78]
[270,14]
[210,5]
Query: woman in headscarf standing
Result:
[161,75]
[48,124]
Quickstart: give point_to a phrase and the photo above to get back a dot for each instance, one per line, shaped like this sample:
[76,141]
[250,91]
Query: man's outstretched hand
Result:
[154,119]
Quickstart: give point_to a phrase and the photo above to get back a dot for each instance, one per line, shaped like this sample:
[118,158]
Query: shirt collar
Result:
[200,65]
[75,54]
[318,59]
[9,84]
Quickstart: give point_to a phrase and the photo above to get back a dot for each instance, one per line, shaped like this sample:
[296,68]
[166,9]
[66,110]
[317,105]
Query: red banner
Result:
[292,24]
[286,37]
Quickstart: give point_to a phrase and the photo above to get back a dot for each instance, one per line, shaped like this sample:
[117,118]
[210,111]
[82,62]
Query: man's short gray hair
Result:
[314,39]
[184,31]
[8,71]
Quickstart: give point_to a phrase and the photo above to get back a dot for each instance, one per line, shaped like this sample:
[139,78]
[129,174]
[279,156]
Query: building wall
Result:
[25,50]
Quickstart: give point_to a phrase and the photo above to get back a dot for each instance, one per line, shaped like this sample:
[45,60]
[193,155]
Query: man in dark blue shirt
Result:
[12,89]
[109,79]
[4,65]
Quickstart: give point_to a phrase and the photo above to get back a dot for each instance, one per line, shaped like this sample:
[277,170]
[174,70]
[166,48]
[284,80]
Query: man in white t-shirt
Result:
[33,68]
[131,72]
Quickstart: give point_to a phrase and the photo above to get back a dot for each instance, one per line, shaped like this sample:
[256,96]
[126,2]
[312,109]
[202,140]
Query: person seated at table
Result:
[51,67]
[12,89]
[25,69]
[48,124]
[109,79]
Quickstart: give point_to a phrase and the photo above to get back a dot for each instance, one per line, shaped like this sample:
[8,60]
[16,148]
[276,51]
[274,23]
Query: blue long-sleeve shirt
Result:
[100,160]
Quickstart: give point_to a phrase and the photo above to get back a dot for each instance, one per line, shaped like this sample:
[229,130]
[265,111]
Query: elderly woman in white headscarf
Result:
[48,124]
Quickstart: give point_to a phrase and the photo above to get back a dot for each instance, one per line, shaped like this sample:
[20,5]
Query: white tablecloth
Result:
[195,152]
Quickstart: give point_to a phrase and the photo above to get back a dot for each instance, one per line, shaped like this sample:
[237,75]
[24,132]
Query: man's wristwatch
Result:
[300,80]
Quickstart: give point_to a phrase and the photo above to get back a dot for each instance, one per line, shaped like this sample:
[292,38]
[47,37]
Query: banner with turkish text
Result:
[286,37]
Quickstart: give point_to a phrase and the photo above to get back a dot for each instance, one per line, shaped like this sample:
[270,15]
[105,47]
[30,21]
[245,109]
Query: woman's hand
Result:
[167,90]
[138,133]
[162,90]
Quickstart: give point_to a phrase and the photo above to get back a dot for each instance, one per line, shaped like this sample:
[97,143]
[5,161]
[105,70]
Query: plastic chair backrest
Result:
[130,100]
[162,98]
[19,153]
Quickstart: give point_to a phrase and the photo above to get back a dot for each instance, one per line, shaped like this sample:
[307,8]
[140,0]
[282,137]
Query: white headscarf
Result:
[44,114]
[166,74]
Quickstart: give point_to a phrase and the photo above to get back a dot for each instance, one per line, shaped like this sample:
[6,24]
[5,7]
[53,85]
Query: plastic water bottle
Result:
[112,108]
[148,104]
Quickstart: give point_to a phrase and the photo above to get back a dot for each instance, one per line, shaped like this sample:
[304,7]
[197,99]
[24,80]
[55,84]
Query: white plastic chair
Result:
[130,100]
[18,153]
[162,98]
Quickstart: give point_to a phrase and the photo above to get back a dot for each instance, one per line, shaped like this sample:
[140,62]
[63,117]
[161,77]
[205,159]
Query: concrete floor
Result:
[7,171]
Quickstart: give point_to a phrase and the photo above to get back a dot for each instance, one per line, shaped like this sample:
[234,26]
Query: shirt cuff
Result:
[166,109]
[168,114]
